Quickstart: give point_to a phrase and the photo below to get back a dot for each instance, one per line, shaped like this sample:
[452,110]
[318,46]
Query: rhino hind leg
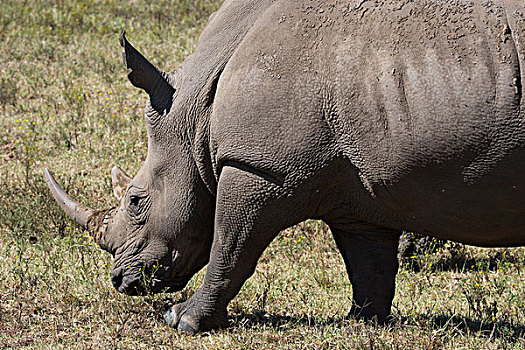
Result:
[370,255]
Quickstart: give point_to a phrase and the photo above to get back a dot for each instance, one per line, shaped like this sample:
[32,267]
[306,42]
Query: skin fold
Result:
[374,116]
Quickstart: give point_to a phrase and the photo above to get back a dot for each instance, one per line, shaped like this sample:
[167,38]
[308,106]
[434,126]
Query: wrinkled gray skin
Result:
[374,116]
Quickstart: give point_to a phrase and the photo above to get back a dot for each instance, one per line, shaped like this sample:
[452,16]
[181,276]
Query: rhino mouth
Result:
[129,285]
[138,284]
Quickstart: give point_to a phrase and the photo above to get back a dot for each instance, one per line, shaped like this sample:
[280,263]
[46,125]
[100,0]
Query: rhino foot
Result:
[187,318]
[368,314]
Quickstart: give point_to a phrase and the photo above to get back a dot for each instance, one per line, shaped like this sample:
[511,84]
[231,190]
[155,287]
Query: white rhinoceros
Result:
[374,116]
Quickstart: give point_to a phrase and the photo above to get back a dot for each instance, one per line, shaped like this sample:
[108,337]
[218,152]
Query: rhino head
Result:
[161,232]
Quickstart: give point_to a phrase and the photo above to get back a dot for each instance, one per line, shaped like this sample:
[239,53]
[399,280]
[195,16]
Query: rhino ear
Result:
[120,182]
[143,74]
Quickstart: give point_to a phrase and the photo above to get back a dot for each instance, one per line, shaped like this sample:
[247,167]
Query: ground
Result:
[66,104]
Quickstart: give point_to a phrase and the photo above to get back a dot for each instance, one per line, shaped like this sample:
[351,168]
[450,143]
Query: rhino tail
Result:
[143,74]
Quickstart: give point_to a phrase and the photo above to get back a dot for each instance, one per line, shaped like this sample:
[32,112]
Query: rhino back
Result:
[424,99]
[427,81]
[196,78]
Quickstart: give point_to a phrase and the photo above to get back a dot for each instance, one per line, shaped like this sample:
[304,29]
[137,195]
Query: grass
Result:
[66,104]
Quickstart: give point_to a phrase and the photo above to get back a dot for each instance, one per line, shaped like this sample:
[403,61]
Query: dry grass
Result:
[65,103]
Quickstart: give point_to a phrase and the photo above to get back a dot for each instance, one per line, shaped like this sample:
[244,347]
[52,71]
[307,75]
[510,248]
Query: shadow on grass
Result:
[445,323]
[497,329]
[464,263]
[256,319]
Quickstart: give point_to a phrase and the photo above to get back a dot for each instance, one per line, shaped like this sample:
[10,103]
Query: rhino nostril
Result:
[116,279]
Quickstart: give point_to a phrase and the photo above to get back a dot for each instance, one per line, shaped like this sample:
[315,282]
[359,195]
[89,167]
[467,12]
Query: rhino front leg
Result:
[370,255]
[248,217]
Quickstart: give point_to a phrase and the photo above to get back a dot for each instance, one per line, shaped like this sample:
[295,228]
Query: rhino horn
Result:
[95,221]
[143,74]
[76,211]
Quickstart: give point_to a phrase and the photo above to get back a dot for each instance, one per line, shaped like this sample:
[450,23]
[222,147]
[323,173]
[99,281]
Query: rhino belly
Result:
[437,201]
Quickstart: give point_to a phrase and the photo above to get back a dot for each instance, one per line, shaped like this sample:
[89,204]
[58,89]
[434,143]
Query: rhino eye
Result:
[134,200]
